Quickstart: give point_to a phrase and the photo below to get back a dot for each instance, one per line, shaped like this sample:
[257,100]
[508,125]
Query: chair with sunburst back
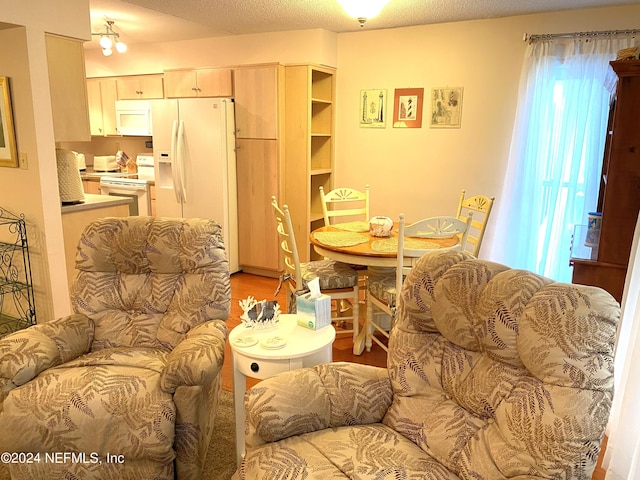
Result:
[345,204]
[413,243]
[347,209]
[481,206]
[337,279]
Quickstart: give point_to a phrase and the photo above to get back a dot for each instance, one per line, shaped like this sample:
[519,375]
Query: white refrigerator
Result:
[195,163]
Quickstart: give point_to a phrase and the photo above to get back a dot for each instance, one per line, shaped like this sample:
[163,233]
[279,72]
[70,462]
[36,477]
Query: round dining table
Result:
[352,243]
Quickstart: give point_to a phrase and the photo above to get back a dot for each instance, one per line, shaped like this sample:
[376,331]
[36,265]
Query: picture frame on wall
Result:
[8,151]
[373,108]
[446,107]
[407,107]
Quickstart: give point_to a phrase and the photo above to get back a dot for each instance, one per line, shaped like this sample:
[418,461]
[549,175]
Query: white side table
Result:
[304,348]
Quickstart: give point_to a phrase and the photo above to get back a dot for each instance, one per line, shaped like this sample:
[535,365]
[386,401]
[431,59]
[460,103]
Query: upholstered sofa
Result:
[127,387]
[493,373]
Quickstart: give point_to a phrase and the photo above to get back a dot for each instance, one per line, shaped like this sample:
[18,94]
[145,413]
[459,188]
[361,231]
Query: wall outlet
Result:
[23,161]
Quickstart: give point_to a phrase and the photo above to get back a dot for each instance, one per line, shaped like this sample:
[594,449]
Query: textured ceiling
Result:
[141,21]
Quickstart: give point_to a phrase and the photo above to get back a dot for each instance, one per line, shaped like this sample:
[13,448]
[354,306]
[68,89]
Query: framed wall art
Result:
[8,151]
[373,108]
[407,107]
[446,107]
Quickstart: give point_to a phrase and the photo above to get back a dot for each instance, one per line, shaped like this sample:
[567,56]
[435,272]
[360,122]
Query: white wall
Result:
[420,172]
[34,191]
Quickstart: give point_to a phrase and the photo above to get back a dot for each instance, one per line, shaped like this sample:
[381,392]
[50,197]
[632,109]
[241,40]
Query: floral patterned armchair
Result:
[127,387]
[493,373]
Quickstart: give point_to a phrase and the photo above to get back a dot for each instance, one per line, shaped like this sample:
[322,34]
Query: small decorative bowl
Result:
[380,226]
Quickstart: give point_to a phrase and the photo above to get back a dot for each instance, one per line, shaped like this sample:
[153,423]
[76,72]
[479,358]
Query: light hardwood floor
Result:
[243,285]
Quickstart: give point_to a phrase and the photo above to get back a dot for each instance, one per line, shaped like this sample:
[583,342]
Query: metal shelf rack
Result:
[17,303]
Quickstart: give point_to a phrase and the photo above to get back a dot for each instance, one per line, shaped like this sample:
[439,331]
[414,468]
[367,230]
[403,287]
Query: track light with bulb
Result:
[107,42]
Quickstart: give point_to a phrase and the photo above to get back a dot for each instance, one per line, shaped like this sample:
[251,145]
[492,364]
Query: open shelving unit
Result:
[309,150]
[17,304]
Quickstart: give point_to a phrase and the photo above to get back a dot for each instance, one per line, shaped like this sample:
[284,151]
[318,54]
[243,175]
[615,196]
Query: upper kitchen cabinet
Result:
[256,98]
[309,147]
[102,95]
[199,82]
[65,59]
[141,87]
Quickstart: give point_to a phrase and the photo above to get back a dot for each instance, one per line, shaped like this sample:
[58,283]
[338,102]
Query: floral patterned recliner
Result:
[127,387]
[493,373]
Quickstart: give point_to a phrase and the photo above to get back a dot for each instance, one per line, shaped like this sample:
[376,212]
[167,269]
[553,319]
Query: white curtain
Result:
[553,173]
[622,456]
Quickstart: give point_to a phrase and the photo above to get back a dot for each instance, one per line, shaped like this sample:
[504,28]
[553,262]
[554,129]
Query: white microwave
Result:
[133,117]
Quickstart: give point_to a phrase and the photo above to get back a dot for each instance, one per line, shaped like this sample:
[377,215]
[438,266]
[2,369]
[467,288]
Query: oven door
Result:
[138,190]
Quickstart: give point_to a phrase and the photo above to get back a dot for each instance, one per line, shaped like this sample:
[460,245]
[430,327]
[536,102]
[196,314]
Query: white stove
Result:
[135,188]
[146,169]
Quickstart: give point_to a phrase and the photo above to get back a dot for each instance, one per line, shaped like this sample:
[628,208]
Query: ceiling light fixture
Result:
[362,10]
[106,42]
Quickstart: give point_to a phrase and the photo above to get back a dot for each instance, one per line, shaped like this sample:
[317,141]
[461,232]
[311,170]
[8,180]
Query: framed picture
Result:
[407,107]
[373,108]
[446,107]
[8,152]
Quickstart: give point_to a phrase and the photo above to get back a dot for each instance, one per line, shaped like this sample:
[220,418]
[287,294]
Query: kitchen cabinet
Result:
[91,187]
[138,87]
[65,63]
[619,197]
[285,122]
[308,147]
[102,96]
[258,179]
[152,192]
[256,97]
[259,104]
[199,82]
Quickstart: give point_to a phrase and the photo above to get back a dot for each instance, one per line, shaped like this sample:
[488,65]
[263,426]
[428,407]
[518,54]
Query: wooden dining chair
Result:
[481,206]
[340,203]
[337,279]
[382,289]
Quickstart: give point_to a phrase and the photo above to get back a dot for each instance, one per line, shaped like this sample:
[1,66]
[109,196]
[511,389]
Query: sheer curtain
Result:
[553,173]
[622,458]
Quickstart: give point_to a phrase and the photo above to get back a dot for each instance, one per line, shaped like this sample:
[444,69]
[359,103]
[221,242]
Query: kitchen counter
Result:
[75,219]
[92,202]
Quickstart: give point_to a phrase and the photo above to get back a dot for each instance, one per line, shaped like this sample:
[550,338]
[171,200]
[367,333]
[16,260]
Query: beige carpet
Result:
[220,463]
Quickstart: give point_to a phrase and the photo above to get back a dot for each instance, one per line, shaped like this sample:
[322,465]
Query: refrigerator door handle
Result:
[174,161]
[181,163]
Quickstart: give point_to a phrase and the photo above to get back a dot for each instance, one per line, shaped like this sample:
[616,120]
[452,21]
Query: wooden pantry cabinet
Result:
[285,125]
[198,82]
[259,106]
[140,87]
[619,197]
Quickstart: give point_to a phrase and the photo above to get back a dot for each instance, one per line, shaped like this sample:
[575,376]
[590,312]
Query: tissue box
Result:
[313,313]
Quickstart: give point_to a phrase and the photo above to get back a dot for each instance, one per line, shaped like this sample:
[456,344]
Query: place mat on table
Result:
[359,226]
[390,245]
[340,239]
